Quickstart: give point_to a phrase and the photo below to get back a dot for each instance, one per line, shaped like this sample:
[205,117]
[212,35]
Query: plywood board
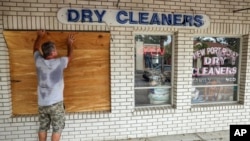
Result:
[87,78]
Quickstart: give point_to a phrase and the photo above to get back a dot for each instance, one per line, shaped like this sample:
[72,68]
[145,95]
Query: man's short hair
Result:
[47,48]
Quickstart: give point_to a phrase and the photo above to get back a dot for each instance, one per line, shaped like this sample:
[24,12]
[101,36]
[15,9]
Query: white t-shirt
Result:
[50,79]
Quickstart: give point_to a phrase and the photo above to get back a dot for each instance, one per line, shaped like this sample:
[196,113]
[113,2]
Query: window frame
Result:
[172,69]
[223,85]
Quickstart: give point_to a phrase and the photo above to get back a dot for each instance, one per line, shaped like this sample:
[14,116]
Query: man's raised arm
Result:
[70,41]
[39,37]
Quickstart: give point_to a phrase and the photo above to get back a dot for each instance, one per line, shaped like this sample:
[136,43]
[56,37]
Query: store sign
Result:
[131,18]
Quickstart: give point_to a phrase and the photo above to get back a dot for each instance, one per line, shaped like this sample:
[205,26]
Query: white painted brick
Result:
[24,128]
[43,1]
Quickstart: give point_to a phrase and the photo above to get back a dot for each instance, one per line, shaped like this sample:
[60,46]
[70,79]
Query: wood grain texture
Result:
[87,78]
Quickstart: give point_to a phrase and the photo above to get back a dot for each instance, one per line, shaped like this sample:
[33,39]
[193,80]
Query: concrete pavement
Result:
[207,136]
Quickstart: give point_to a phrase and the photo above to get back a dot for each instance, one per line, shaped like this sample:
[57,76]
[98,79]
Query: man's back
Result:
[50,79]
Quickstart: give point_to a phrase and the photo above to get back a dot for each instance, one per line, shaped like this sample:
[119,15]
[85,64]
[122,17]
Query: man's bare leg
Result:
[55,136]
[42,136]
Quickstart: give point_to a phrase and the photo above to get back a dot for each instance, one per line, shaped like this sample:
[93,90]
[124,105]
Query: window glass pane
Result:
[153,56]
[154,96]
[214,94]
[216,67]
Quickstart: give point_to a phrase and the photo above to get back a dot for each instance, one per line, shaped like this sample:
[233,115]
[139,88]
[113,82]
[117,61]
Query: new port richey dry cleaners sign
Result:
[131,18]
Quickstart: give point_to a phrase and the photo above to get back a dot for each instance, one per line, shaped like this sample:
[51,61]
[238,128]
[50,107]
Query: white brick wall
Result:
[125,121]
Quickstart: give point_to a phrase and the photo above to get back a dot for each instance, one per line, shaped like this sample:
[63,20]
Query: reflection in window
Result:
[153,57]
[215,69]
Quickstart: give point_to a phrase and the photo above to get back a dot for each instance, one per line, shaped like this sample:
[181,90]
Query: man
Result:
[50,86]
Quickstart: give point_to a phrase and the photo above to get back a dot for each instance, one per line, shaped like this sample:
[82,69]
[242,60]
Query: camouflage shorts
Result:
[54,115]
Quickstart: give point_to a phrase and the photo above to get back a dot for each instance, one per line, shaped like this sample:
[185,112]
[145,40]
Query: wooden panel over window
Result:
[87,78]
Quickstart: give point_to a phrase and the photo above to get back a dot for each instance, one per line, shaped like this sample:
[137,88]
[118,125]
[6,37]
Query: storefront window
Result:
[215,69]
[153,57]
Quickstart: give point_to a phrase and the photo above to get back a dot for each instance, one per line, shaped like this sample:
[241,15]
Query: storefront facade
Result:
[173,67]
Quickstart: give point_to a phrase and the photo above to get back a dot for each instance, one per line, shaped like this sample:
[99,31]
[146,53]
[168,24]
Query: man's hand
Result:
[71,39]
[40,33]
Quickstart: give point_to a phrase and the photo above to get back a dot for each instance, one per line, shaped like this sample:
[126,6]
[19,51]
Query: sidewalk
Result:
[208,136]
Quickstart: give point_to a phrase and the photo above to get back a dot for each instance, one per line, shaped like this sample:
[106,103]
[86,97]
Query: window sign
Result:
[153,67]
[215,69]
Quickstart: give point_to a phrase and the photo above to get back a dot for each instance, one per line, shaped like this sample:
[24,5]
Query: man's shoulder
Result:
[64,58]
[64,61]
[37,54]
